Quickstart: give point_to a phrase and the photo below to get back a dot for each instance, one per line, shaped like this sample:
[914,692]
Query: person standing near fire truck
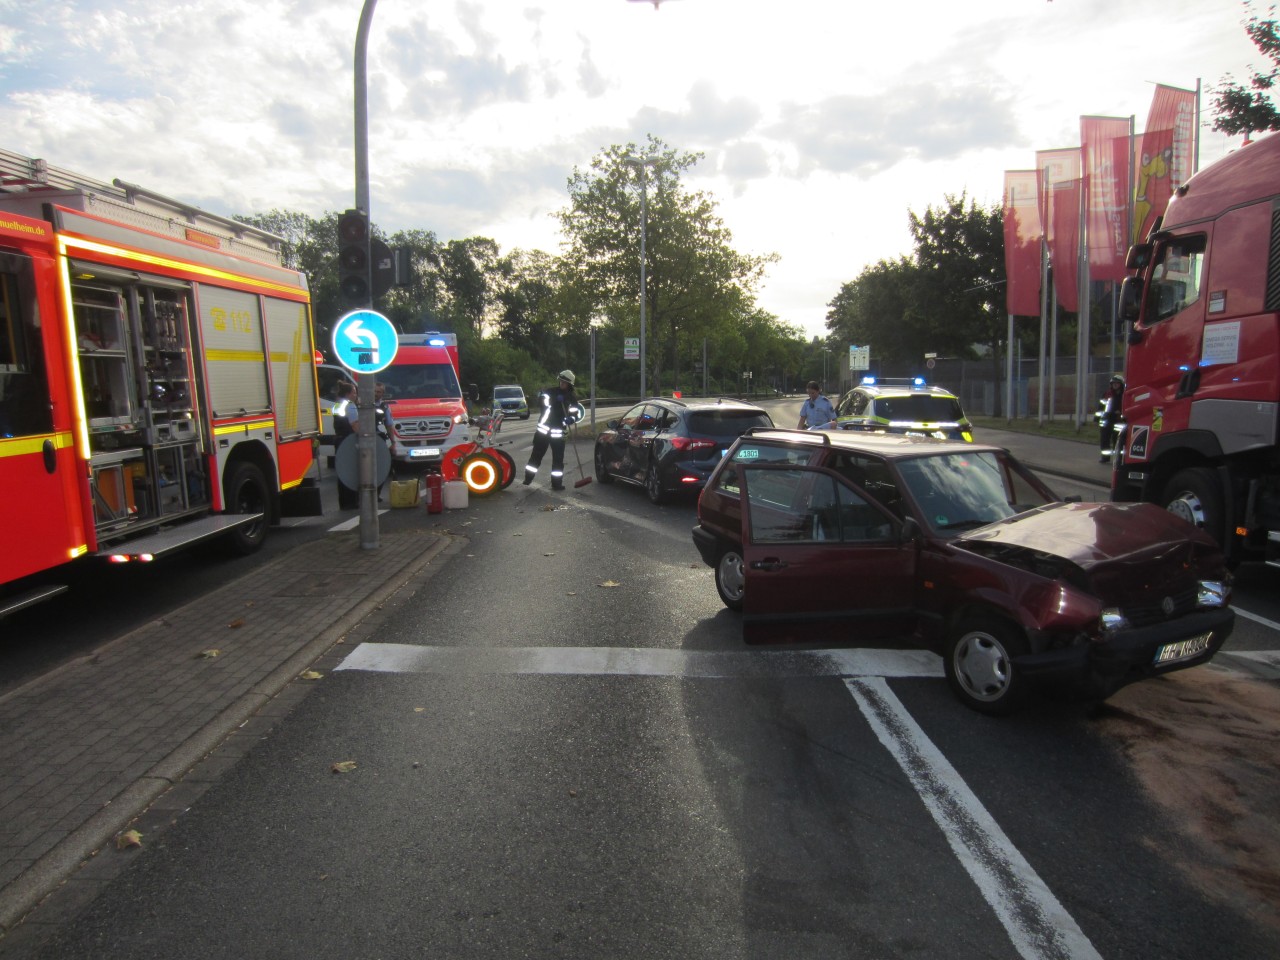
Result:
[560,409]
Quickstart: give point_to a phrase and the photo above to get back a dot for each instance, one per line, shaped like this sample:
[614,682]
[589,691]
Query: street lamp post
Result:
[366,437]
[640,166]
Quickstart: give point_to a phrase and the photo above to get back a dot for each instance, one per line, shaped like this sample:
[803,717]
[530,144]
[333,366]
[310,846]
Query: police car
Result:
[909,405]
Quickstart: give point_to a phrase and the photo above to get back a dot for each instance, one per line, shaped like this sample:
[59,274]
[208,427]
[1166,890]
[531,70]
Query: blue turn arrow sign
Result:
[364,341]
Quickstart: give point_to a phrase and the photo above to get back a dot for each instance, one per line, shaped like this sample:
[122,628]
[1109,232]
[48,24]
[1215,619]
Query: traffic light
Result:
[353,259]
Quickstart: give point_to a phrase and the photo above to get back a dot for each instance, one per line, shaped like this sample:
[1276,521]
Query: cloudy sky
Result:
[823,122]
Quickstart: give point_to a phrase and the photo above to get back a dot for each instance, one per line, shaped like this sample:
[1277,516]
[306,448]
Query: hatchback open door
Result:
[823,561]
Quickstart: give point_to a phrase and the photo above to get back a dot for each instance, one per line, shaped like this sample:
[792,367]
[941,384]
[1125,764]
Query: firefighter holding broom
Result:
[560,410]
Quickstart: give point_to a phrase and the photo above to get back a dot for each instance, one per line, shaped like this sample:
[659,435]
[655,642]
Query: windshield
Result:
[957,492]
[421,381]
[919,407]
[508,393]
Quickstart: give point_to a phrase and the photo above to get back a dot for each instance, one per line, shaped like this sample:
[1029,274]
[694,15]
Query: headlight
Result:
[1112,620]
[459,418]
[1213,593]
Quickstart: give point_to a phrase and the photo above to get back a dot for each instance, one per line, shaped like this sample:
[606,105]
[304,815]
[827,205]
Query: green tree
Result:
[696,283]
[1241,109]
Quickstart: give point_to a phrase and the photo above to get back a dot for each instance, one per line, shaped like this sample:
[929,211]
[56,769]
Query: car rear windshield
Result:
[917,408]
[726,423]
[508,393]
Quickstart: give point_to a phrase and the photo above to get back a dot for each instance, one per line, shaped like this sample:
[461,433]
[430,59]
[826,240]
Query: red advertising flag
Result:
[1064,247]
[1105,155]
[1021,243]
[1167,155]
[1054,166]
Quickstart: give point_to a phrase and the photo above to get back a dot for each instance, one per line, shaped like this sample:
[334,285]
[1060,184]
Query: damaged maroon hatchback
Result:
[838,537]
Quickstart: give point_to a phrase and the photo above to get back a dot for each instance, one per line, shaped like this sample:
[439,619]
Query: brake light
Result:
[689,443]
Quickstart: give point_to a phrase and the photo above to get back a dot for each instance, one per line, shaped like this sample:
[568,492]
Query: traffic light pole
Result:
[367,436]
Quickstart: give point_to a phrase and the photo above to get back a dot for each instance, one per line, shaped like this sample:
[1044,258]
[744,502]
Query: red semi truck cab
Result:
[426,411]
[1202,400]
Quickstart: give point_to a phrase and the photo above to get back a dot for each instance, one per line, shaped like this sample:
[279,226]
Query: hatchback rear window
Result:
[919,407]
[726,423]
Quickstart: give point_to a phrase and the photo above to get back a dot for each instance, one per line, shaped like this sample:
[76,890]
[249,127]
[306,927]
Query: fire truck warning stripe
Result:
[25,446]
[236,356]
[243,426]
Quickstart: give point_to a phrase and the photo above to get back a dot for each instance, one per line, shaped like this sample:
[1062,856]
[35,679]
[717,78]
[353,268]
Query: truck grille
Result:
[424,427]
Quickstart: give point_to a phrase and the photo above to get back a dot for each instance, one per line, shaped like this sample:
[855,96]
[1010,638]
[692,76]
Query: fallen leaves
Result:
[130,838]
[609,583]
[208,654]
[311,675]
[236,624]
[343,766]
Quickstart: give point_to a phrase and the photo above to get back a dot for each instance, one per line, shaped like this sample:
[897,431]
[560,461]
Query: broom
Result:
[583,473]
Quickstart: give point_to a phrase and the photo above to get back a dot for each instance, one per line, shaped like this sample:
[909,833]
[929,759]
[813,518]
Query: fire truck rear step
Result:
[30,598]
[175,538]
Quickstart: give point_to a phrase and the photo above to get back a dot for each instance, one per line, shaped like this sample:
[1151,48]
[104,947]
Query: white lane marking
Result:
[1256,619]
[1038,925]
[352,523]
[640,661]
[1270,657]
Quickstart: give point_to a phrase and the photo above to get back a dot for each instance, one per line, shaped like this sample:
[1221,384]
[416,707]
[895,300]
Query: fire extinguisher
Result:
[435,493]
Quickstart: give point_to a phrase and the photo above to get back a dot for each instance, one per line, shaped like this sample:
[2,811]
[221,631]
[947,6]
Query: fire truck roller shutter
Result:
[293,369]
[235,355]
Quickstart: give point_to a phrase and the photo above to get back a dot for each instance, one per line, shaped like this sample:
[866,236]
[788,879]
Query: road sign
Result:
[859,357]
[364,341]
[631,348]
[931,363]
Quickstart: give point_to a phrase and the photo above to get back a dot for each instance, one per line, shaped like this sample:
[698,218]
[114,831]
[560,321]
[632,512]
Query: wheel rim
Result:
[982,666]
[653,485]
[600,470]
[1187,506]
[730,574]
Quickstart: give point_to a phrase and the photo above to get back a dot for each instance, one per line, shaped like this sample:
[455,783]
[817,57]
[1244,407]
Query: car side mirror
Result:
[613,424]
[909,532]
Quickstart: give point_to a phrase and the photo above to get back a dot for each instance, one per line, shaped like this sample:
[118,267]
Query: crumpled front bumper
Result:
[1127,656]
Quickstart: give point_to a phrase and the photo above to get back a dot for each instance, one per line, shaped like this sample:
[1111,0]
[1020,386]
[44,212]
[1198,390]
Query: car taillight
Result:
[689,443]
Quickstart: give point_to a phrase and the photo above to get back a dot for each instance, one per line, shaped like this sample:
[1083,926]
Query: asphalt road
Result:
[515,794]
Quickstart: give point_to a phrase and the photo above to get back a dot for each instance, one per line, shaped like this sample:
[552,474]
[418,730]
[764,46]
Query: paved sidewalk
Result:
[91,745]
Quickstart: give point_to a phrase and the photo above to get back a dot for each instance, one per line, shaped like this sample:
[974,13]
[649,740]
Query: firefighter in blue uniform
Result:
[560,409]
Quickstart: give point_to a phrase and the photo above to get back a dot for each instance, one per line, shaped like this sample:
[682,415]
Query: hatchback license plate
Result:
[1183,649]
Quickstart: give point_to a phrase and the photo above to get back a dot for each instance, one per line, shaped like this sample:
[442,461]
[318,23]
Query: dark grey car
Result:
[668,445]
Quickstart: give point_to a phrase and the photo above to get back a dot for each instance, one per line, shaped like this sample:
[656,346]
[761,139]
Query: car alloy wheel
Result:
[653,485]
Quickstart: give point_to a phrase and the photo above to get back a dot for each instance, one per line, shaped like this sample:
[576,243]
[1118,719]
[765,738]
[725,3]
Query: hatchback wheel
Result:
[979,665]
[653,486]
[731,579]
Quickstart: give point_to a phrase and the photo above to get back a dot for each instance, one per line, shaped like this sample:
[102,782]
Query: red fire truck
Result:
[157,385]
[1202,400]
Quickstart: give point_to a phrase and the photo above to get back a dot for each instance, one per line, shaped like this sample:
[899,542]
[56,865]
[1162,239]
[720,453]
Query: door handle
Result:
[768,563]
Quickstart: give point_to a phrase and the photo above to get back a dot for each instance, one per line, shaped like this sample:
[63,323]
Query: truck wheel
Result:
[731,578]
[1194,496]
[979,664]
[246,492]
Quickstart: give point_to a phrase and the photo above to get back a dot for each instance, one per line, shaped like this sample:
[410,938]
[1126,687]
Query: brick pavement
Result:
[93,744]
